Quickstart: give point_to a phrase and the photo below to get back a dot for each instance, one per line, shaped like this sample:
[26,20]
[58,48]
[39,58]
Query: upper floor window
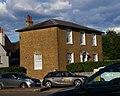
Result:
[70,58]
[37,61]
[82,38]
[69,36]
[94,39]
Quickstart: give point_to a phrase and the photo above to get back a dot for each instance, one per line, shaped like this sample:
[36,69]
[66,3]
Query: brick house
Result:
[52,44]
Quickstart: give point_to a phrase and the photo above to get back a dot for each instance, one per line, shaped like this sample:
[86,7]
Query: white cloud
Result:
[96,13]
[44,8]
[56,7]
[3,10]
[60,5]
[117,19]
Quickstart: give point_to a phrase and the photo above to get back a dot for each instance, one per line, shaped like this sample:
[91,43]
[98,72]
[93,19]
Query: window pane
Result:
[69,36]
[82,38]
[0,59]
[94,42]
[37,61]
[95,57]
[70,58]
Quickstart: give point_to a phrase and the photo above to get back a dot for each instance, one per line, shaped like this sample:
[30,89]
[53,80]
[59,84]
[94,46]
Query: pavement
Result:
[23,90]
[32,90]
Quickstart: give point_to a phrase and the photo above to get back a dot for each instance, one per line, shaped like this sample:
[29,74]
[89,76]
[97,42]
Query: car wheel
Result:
[1,86]
[48,84]
[77,83]
[23,85]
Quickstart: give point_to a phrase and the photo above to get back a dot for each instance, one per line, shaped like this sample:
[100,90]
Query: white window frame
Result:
[82,38]
[84,59]
[0,59]
[69,36]
[94,39]
[37,61]
[70,58]
[95,57]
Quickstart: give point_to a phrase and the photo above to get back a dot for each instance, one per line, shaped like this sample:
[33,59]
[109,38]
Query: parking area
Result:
[33,90]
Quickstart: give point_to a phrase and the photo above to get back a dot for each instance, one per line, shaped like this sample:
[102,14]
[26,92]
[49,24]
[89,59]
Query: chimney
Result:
[29,21]
[2,37]
[1,30]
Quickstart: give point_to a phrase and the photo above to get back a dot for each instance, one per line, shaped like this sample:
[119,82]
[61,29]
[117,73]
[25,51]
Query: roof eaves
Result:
[55,22]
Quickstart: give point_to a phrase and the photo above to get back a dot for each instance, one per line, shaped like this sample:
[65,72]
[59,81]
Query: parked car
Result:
[96,86]
[16,79]
[63,78]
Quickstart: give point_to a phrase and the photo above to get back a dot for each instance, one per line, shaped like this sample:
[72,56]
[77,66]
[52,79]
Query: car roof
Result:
[58,71]
[10,73]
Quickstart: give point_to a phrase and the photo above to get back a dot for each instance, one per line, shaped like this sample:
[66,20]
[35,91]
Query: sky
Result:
[97,14]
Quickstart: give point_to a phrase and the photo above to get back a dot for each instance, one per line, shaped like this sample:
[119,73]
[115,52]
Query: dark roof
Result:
[55,22]
[10,46]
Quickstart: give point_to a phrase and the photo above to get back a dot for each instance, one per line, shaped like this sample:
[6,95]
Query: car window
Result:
[67,74]
[19,75]
[58,75]
[6,76]
[110,77]
[52,74]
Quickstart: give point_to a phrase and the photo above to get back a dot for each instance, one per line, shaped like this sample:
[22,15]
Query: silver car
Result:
[63,78]
[16,79]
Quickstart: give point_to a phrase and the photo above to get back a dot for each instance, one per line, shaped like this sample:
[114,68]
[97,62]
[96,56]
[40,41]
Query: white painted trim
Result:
[94,39]
[69,31]
[83,37]
[37,63]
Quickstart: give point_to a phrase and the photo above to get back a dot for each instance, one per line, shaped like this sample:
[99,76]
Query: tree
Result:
[111,45]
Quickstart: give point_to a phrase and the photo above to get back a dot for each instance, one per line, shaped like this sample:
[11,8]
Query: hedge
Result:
[87,66]
[12,69]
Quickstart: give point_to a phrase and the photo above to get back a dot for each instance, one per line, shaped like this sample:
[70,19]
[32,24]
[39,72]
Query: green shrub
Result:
[87,66]
[12,69]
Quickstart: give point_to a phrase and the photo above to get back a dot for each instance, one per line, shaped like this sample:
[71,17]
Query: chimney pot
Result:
[29,21]
[1,30]
[29,18]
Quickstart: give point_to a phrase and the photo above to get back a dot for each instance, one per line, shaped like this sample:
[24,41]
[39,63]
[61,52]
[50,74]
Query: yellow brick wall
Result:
[42,41]
[76,48]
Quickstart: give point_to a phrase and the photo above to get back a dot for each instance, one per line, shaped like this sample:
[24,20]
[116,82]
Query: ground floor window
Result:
[0,59]
[84,56]
[37,61]
[95,57]
[70,58]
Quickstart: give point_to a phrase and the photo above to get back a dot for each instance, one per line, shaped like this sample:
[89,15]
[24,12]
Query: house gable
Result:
[2,50]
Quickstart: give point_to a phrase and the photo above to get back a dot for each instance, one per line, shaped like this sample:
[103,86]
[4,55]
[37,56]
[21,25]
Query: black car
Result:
[105,82]
[63,78]
[17,79]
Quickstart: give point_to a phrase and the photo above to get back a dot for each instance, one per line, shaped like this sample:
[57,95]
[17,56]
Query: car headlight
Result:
[83,78]
[29,80]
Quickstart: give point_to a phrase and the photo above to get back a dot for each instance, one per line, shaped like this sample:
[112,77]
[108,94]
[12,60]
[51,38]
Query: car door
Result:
[67,78]
[57,78]
[108,82]
[9,81]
